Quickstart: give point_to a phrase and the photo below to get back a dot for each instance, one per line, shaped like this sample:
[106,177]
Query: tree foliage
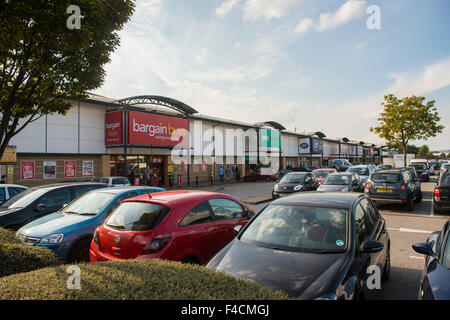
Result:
[423,150]
[43,62]
[407,119]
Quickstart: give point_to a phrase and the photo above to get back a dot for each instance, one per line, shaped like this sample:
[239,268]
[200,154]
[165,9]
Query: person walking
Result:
[3,181]
[221,174]
[228,174]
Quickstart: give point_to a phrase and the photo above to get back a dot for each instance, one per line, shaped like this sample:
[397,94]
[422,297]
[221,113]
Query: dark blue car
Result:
[69,231]
[435,283]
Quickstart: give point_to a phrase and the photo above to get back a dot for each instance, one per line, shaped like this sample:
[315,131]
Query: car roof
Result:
[117,190]
[362,166]
[12,185]
[67,184]
[112,177]
[325,169]
[177,197]
[341,173]
[341,200]
[396,170]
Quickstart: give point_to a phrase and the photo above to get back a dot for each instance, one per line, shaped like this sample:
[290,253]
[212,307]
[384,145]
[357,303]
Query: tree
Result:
[423,150]
[407,119]
[430,155]
[44,63]
[442,155]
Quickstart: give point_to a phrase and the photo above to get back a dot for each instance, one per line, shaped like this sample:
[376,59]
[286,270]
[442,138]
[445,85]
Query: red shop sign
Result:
[157,130]
[69,169]
[27,170]
[114,128]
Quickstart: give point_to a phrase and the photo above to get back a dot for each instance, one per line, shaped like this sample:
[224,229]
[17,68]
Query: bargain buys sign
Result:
[114,128]
[157,130]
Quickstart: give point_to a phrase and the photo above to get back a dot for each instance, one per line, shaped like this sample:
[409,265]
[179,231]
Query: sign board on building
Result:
[69,169]
[114,128]
[88,168]
[27,170]
[304,145]
[316,145]
[49,170]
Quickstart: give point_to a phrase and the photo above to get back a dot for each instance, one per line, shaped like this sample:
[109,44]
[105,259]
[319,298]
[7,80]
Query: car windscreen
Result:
[24,199]
[137,216]
[336,180]
[386,177]
[321,173]
[419,166]
[293,178]
[445,181]
[360,171]
[299,228]
[89,204]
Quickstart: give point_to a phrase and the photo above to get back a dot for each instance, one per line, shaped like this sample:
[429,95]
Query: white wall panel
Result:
[31,138]
[92,129]
[62,132]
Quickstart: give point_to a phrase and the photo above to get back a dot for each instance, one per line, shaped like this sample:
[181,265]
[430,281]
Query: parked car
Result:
[435,282]
[444,166]
[422,171]
[341,181]
[441,197]
[393,186]
[363,171]
[417,181]
[8,191]
[69,231]
[383,167]
[187,226]
[115,181]
[320,174]
[40,201]
[295,182]
[341,164]
[311,245]
[302,169]
[261,175]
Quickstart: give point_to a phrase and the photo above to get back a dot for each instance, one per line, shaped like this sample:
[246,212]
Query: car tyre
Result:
[80,251]
[436,210]
[419,198]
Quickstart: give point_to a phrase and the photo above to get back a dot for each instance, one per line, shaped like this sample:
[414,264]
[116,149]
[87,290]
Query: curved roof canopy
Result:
[317,133]
[271,124]
[343,139]
[159,101]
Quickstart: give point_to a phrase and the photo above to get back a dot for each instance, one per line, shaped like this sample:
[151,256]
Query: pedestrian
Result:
[3,181]
[132,176]
[221,174]
[238,175]
[228,174]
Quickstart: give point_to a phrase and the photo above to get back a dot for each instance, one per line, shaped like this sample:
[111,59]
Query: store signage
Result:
[316,145]
[49,170]
[27,170]
[69,169]
[114,128]
[157,130]
[88,168]
[304,145]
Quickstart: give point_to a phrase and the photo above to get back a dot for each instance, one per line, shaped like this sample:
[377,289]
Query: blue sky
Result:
[312,65]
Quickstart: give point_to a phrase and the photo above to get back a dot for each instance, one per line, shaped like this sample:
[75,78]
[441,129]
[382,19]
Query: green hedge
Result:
[7,236]
[134,280]
[17,258]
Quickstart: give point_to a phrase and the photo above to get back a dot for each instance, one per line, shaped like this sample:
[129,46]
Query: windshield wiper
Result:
[87,214]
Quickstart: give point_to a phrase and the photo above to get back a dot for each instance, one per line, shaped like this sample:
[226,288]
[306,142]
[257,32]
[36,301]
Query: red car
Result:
[187,226]
[320,174]
[259,175]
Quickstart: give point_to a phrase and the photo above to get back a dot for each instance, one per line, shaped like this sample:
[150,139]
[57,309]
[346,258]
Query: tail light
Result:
[367,185]
[157,244]
[403,186]
[96,239]
[437,193]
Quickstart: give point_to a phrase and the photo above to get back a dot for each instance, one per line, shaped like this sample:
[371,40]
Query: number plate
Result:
[384,190]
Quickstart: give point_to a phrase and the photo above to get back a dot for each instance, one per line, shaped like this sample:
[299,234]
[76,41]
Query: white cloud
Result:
[269,9]
[226,7]
[304,26]
[350,10]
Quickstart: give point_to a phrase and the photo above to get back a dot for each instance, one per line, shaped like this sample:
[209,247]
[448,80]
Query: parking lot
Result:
[405,228]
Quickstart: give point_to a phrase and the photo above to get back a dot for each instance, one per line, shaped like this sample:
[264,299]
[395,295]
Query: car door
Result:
[12,191]
[51,202]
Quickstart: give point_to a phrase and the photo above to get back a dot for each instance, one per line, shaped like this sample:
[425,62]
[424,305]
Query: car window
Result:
[200,214]
[137,216]
[293,178]
[56,198]
[117,181]
[2,194]
[226,209]
[80,190]
[105,180]
[445,182]
[386,177]
[15,190]
[371,213]
[362,231]
[446,255]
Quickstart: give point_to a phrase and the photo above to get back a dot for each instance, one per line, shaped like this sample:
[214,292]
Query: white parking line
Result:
[410,230]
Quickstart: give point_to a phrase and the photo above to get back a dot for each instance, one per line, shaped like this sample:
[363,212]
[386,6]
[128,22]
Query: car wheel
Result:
[409,204]
[436,210]
[80,251]
[387,266]
[419,197]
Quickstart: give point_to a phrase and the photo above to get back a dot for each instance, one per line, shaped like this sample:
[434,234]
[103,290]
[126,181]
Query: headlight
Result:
[52,239]
[298,188]
[328,296]
[275,188]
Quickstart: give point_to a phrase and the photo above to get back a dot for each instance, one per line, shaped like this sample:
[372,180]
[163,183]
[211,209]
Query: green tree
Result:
[442,155]
[430,155]
[423,150]
[44,63]
[407,119]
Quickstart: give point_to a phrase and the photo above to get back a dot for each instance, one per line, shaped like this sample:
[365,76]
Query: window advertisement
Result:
[114,128]
[269,138]
[304,145]
[49,171]
[88,168]
[69,168]
[316,145]
[157,130]
[344,149]
[27,169]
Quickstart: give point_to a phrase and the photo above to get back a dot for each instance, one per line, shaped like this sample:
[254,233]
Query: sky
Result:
[312,65]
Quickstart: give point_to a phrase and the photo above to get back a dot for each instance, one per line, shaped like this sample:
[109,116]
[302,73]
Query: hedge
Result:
[133,280]
[7,236]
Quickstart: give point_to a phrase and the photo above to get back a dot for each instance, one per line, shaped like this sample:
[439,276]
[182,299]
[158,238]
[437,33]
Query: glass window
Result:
[56,198]
[386,177]
[335,179]
[15,190]
[362,231]
[200,214]
[445,181]
[24,199]
[361,171]
[2,194]
[321,173]
[80,190]
[137,216]
[293,178]
[89,204]
[225,209]
[446,255]
[301,229]
[105,180]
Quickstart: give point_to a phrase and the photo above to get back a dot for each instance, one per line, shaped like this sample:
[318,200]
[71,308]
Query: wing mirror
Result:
[372,246]
[40,207]
[237,229]
[425,248]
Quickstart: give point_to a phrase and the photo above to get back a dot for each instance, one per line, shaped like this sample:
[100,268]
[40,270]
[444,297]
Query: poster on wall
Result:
[69,169]
[49,170]
[88,168]
[27,170]
[304,145]
[204,166]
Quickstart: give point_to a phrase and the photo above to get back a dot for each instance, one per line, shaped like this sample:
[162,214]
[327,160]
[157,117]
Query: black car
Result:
[312,246]
[417,181]
[435,282]
[341,164]
[341,181]
[37,202]
[422,171]
[295,182]
[441,197]
[393,186]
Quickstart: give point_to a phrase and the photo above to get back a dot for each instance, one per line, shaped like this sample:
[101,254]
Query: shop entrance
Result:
[142,170]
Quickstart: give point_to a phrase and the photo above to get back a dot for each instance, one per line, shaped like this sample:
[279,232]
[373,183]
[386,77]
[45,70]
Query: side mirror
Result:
[40,207]
[237,229]
[424,248]
[250,213]
[372,246]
